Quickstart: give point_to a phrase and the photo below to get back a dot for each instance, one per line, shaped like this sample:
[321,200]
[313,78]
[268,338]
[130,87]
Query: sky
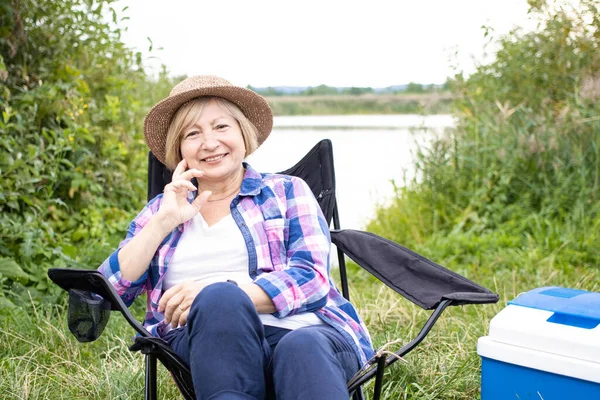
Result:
[307,43]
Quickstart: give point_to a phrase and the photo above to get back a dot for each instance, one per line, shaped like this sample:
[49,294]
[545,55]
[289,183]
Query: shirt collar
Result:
[251,183]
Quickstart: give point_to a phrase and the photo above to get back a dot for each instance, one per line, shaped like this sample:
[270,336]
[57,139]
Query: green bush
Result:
[72,156]
[521,170]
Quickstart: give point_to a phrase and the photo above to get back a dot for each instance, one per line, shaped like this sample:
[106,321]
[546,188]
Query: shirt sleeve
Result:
[110,268]
[303,285]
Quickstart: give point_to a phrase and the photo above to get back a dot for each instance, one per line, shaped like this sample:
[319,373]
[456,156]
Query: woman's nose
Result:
[210,142]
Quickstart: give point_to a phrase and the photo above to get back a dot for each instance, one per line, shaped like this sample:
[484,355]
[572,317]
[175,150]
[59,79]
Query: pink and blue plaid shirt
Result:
[288,245]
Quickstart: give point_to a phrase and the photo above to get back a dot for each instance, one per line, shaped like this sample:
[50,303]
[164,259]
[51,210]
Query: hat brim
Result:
[157,121]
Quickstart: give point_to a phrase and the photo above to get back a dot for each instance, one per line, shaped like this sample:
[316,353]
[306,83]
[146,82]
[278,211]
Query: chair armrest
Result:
[94,282]
[408,273]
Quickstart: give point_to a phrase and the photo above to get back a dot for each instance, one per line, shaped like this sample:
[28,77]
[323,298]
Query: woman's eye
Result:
[190,134]
[221,126]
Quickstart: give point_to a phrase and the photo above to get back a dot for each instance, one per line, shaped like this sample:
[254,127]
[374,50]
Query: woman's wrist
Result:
[162,224]
[262,301]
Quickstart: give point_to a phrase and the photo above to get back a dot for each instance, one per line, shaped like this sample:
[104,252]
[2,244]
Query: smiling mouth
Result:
[214,158]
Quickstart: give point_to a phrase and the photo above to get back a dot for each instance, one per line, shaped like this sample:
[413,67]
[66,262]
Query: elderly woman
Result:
[235,262]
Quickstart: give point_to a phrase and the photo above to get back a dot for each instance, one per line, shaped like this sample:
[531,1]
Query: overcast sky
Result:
[307,43]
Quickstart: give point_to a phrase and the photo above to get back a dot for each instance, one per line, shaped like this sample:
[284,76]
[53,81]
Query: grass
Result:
[41,360]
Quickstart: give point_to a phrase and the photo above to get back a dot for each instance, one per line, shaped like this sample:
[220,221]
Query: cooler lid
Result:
[554,320]
[571,306]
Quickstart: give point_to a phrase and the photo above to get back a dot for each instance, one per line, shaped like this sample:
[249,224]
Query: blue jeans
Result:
[233,356]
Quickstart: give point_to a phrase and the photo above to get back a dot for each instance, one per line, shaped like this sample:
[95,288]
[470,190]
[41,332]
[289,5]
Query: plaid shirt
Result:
[288,246]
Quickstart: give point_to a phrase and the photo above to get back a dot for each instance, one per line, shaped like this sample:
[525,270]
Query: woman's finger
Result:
[175,185]
[179,316]
[201,199]
[167,295]
[191,173]
[176,315]
[183,317]
[171,309]
[190,291]
[179,169]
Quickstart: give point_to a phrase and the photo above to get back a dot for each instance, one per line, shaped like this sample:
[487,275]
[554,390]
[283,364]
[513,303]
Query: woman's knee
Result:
[221,298]
[308,363]
[301,344]
[312,346]
[221,295]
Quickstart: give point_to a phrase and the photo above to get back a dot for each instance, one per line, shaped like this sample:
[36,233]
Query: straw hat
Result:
[254,106]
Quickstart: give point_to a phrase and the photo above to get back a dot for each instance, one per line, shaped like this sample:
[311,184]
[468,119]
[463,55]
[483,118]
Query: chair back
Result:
[316,169]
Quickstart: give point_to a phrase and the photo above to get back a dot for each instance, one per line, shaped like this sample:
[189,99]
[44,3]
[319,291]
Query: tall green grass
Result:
[40,359]
[509,198]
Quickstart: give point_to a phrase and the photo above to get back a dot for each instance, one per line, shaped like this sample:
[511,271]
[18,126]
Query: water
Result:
[370,151]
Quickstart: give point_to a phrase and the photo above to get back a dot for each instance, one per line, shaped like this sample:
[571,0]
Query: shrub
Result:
[72,157]
[523,162]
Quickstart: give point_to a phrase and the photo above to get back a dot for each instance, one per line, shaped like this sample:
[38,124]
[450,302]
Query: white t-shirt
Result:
[215,254]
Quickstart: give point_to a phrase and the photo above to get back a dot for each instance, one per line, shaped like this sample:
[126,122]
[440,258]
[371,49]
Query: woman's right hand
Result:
[175,208]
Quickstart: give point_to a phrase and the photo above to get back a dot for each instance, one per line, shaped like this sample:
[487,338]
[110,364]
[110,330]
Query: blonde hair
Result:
[188,113]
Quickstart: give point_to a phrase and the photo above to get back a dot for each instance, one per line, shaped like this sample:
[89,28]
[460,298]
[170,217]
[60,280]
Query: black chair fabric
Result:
[317,169]
[418,279]
[158,176]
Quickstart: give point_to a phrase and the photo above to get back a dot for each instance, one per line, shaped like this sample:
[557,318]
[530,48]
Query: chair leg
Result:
[379,378]
[150,389]
[358,394]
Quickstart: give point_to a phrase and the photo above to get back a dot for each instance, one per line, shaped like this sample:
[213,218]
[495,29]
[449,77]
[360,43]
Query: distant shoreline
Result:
[426,103]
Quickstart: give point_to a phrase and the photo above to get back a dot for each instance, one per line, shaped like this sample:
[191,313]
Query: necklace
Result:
[224,197]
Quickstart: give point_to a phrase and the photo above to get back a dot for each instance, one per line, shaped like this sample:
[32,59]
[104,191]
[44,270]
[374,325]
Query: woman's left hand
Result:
[175,303]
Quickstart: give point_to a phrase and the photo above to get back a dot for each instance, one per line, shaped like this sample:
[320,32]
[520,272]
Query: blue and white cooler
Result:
[545,345]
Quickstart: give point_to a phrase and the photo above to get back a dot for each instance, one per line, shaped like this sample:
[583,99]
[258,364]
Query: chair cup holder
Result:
[88,315]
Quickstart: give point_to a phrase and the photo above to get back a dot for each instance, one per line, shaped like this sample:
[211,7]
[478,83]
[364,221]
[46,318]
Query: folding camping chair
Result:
[416,278]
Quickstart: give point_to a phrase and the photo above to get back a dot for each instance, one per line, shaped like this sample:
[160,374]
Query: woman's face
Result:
[214,144]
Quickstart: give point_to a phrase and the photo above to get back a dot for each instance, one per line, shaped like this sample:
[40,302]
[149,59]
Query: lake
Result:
[370,151]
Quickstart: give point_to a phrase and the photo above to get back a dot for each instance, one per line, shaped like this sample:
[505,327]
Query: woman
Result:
[237,266]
